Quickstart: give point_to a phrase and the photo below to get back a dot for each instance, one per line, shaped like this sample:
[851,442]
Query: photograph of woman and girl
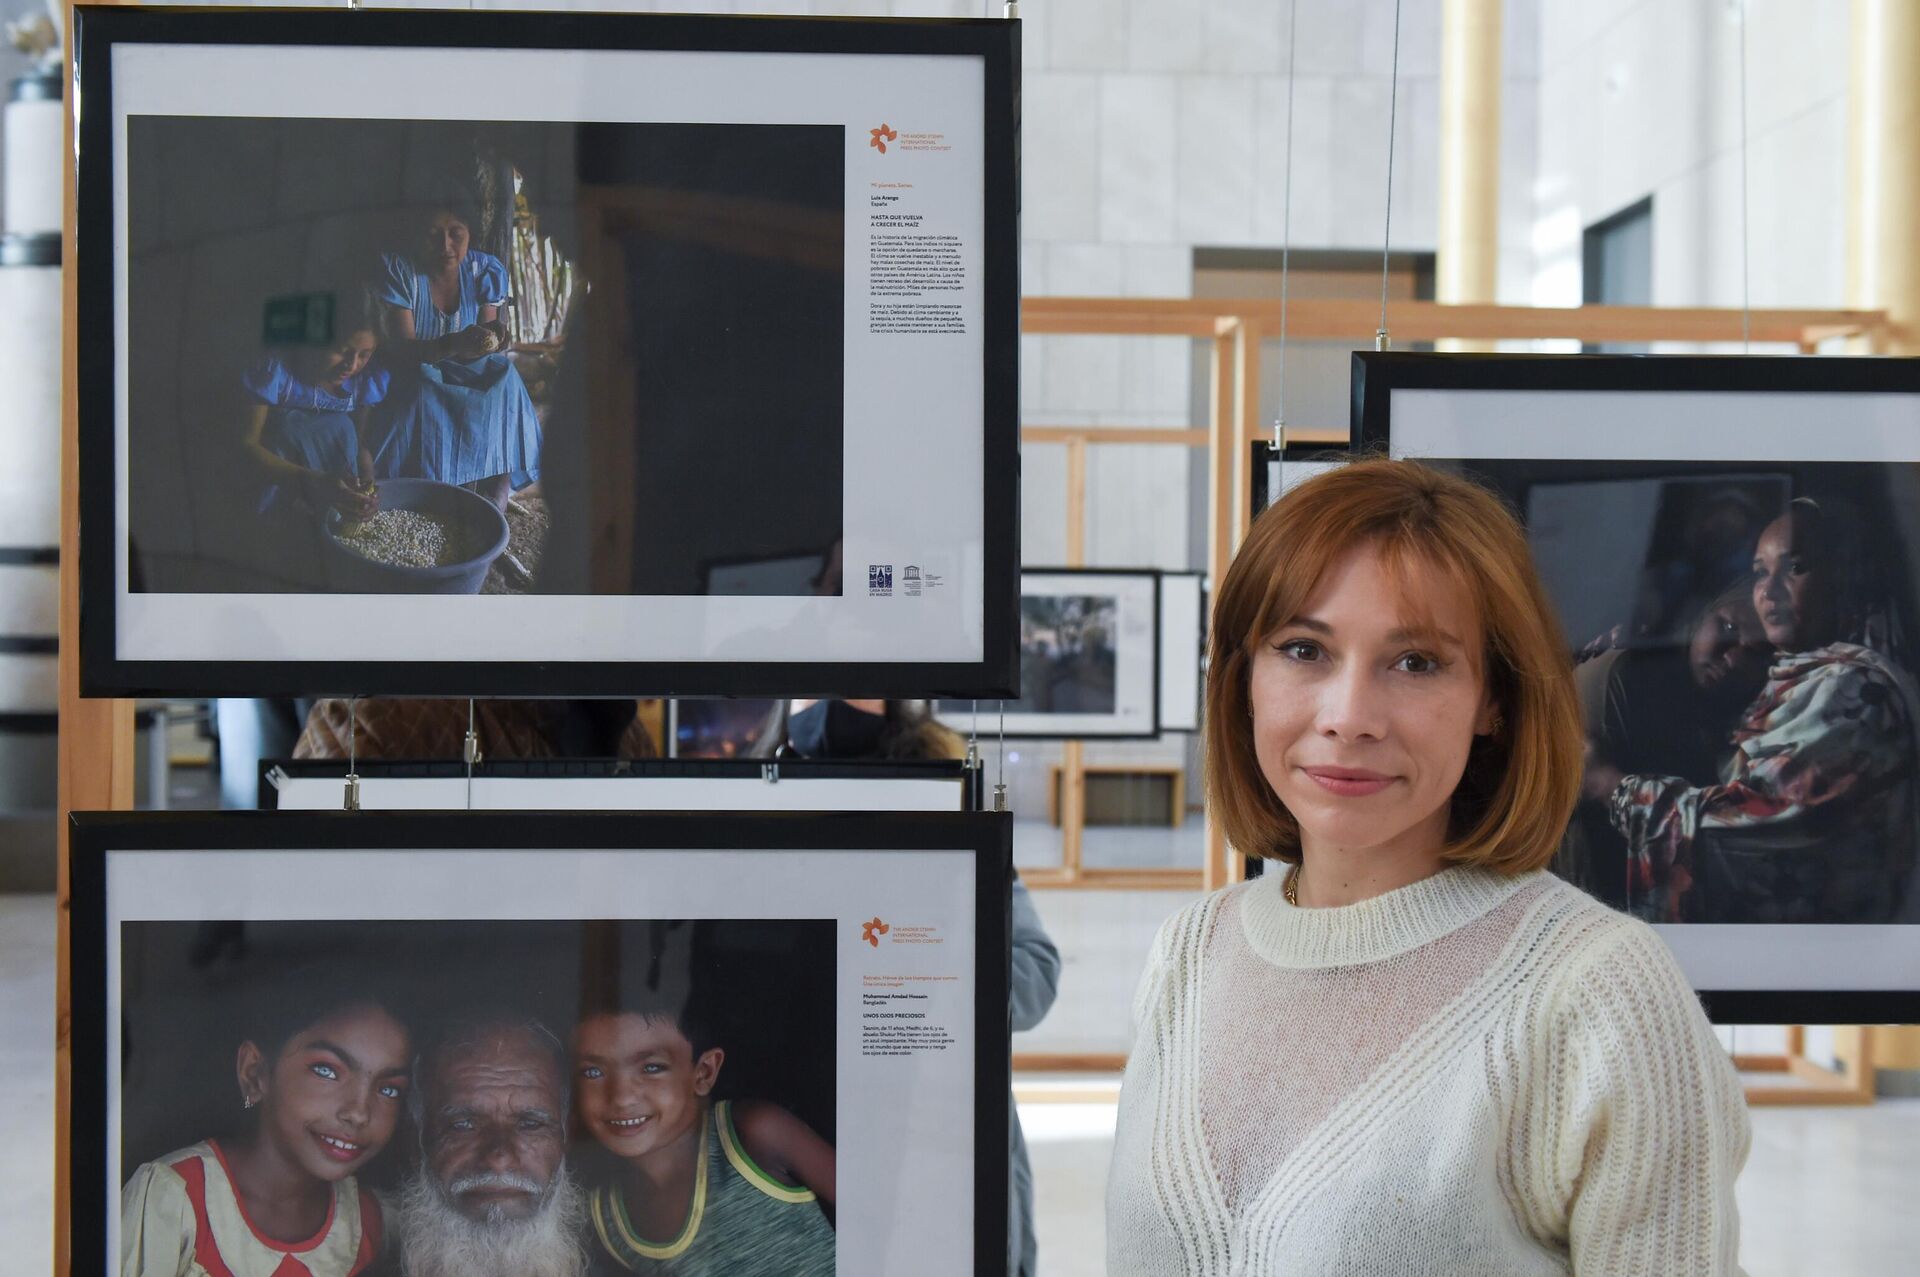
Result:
[1743,639]
[426,1098]
[439,357]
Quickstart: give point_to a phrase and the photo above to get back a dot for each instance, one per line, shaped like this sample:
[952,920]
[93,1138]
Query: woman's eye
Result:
[1298,650]
[592,1073]
[326,1071]
[1417,663]
[392,1091]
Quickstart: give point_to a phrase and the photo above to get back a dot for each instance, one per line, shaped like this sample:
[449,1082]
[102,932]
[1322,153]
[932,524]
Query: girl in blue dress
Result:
[306,413]
[458,411]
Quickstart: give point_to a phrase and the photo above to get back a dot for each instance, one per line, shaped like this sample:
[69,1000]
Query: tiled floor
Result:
[1826,1191]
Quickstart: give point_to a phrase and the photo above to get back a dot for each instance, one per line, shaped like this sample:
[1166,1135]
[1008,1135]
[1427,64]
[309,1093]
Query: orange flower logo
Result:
[881,136]
[872,931]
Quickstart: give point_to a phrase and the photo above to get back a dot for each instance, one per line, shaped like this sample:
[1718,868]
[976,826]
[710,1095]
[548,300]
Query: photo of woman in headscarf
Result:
[1813,819]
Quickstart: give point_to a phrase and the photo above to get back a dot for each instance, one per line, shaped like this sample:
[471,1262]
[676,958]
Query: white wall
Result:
[1642,97]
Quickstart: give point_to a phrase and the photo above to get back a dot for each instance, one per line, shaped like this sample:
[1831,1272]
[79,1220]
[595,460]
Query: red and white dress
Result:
[180,1217]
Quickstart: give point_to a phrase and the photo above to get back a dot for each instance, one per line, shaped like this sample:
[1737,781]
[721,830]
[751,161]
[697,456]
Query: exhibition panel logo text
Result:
[876,930]
[886,138]
[912,580]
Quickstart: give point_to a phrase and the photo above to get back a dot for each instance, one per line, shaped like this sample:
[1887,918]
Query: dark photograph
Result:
[373,356]
[446,1097]
[1068,656]
[1743,640]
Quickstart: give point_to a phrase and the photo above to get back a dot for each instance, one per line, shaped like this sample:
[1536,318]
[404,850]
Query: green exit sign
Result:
[298,319]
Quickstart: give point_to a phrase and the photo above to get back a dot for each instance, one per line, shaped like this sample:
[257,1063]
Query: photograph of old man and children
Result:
[1743,639]
[371,356]
[539,1099]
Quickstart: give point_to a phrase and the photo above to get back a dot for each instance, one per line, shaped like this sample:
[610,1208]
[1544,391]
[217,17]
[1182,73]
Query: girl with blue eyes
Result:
[325,1093]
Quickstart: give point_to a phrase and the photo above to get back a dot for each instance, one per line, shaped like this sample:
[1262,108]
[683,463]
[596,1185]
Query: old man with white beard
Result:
[492,1196]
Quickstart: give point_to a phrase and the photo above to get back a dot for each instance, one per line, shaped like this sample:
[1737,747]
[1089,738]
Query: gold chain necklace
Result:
[1290,886]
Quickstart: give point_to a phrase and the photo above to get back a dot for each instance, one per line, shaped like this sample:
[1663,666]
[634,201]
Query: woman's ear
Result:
[1490,721]
[706,1070]
[250,1070]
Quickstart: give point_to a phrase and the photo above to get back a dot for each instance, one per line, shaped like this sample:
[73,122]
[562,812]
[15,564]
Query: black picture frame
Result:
[1260,471]
[1379,377]
[967,781]
[100,30]
[1032,726]
[987,837]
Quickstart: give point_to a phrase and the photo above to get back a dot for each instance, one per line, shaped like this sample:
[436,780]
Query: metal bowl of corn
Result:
[428,538]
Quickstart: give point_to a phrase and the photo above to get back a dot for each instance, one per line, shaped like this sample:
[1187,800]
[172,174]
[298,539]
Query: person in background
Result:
[458,412]
[323,1072]
[492,1194]
[704,1188]
[903,730]
[395,728]
[304,430]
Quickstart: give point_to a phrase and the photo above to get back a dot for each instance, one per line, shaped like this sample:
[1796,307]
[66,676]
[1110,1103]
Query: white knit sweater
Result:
[1474,1074]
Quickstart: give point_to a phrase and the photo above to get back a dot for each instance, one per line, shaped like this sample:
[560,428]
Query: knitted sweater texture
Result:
[1473,1074]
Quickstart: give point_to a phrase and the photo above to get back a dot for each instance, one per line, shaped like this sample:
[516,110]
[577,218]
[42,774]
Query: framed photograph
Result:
[596,380]
[1733,547]
[797,1021]
[1183,649]
[1089,658]
[695,784]
[1274,474]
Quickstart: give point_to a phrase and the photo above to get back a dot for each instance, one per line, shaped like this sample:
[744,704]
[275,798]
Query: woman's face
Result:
[447,239]
[330,1100]
[340,363]
[1793,596]
[1362,715]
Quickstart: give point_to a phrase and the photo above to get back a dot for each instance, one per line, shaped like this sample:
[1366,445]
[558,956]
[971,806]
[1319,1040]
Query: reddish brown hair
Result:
[1520,784]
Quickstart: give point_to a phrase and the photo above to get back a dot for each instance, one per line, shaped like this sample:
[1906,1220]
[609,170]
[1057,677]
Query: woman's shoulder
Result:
[1605,961]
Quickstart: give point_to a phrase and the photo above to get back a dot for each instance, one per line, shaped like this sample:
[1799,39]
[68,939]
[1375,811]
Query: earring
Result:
[249,1102]
[1499,724]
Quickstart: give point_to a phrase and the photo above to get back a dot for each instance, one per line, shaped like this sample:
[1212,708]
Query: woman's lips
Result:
[1346,782]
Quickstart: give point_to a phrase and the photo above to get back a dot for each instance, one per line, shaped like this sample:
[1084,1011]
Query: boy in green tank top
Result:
[704,1188]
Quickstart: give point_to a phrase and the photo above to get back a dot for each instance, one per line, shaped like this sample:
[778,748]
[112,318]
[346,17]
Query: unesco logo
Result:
[880,578]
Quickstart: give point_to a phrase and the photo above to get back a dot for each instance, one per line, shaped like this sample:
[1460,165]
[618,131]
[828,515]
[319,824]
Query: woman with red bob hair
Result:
[1407,1048]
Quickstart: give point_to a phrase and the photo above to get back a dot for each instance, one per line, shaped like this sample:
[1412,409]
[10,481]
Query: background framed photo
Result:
[850,971]
[1271,478]
[1733,547]
[1089,658]
[1183,648]
[694,784]
[598,392]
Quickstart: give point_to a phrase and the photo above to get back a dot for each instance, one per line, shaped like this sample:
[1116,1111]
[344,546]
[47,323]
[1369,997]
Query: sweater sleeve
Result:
[1645,1124]
[156,1224]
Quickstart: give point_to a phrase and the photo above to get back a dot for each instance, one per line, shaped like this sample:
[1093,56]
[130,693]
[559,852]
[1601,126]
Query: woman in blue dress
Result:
[458,411]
